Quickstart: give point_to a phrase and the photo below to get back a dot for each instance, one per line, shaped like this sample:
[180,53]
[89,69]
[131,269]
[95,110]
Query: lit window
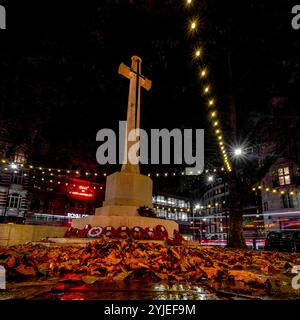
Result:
[19,157]
[284,176]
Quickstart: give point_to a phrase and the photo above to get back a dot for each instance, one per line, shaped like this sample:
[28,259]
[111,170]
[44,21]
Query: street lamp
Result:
[238,152]
[210,179]
[14,166]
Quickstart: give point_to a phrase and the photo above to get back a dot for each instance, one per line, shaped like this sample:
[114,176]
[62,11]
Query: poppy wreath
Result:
[77,232]
[123,232]
[110,232]
[83,233]
[71,233]
[138,233]
[178,237]
[150,234]
[177,240]
[161,233]
[95,232]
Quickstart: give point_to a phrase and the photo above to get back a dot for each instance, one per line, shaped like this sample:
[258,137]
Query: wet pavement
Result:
[136,290]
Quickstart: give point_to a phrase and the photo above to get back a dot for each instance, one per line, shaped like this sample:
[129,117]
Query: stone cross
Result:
[137,80]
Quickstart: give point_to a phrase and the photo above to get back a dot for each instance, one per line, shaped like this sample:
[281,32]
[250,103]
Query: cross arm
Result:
[125,71]
[129,73]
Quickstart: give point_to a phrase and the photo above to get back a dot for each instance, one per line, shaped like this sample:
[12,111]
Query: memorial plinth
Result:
[127,189]
[125,193]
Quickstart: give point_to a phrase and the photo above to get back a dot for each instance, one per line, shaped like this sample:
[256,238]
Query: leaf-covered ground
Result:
[128,260]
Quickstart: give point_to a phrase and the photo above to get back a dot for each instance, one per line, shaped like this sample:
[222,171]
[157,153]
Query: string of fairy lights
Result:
[58,172]
[279,191]
[53,176]
[220,205]
[207,89]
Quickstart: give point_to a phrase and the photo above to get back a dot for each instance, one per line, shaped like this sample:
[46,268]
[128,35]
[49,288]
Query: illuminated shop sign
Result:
[81,191]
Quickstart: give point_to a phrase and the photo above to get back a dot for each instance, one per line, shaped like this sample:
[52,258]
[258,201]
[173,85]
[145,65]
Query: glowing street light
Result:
[238,152]
[210,179]
[14,166]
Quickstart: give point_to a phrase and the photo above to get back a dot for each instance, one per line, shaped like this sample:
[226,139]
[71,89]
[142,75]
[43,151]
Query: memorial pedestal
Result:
[125,193]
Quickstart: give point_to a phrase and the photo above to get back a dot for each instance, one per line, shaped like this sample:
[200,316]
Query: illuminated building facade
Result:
[280,192]
[176,208]
[14,180]
[211,214]
[57,201]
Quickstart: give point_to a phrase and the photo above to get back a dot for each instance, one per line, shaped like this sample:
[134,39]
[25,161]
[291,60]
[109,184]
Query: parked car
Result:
[288,241]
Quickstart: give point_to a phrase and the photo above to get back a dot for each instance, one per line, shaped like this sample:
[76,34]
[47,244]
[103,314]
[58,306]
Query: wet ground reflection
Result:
[137,290]
[107,291]
[132,291]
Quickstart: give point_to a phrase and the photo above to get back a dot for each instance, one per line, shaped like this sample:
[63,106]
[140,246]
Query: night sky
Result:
[58,71]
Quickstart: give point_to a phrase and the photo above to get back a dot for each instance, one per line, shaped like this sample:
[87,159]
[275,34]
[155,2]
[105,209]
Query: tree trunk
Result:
[235,231]
[235,234]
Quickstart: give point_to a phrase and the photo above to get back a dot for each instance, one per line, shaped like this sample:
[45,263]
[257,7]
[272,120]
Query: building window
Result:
[19,157]
[17,177]
[284,176]
[14,201]
[266,206]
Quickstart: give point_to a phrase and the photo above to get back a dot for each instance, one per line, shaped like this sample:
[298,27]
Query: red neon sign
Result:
[80,191]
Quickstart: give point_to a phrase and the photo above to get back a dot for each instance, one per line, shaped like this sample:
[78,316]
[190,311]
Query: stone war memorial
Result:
[128,190]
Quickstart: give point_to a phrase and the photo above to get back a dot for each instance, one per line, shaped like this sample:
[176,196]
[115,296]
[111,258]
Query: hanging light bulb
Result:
[198,53]
[193,25]
[206,89]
